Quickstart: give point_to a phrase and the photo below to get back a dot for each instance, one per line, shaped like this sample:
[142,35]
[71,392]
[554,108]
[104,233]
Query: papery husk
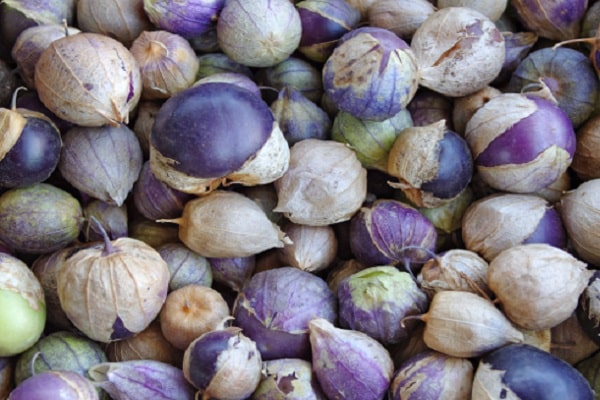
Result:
[97,77]
[402,17]
[488,381]
[11,126]
[586,161]
[456,269]
[111,294]
[490,224]
[459,51]
[464,107]
[268,164]
[17,277]
[570,342]
[537,285]
[464,324]
[227,224]
[313,248]
[324,184]
[493,9]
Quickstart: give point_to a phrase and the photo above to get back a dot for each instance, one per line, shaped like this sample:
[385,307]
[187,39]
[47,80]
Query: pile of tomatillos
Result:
[315,199]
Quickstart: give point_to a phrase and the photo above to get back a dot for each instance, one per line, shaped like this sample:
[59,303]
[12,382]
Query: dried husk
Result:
[459,51]
[11,126]
[167,62]
[499,221]
[313,248]
[570,342]
[537,285]
[465,106]
[493,9]
[580,212]
[97,78]
[18,277]
[464,324]
[456,269]
[123,20]
[324,184]
[227,224]
[113,293]
[402,17]
[586,161]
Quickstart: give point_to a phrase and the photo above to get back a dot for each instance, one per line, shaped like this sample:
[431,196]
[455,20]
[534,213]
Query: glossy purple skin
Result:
[379,232]
[325,21]
[55,385]
[455,167]
[188,18]
[154,199]
[569,75]
[379,95]
[532,373]
[34,156]
[233,272]
[147,379]
[531,136]
[211,129]
[550,230]
[203,354]
[280,303]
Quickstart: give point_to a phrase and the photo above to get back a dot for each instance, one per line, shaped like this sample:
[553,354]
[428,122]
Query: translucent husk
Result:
[11,126]
[227,224]
[537,285]
[313,249]
[463,324]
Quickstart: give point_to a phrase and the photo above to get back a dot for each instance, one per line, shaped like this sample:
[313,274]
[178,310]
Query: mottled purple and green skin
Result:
[275,306]
[380,232]
[212,129]
[233,272]
[550,230]
[553,19]
[372,73]
[349,365]
[188,18]
[142,379]
[431,375]
[214,63]
[299,118]
[55,385]
[60,350]
[34,156]
[377,299]
[528,138]
[39,219]
[186,267]
[323,22]
[532,373]
[569,75]
[155,199]
[295,72]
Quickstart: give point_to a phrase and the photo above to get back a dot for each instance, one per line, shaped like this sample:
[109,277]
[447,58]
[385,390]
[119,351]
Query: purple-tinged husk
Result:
[102,162]
[212,359]
[526,372]
[56,385]
[232,272]
[376,299]
[349,364]
[412,379]
[323,23]
[287,378]
[371,74]
[113,219]
[148,379]
[188,18]
[295,72]
[277,319]
[186,267]
[518,45]
[38,219]
[390,232]
[555,20]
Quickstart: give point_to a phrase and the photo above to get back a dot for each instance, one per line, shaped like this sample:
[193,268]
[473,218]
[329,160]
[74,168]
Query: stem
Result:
[13,101]
[407,260]
[420,317]
[98,228]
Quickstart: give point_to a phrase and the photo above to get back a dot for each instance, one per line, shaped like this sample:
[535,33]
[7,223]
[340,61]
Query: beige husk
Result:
[324,184]
[538,285]
[227,224]
[95,288]
[314,248]
[570,342]
[463,324]
[488,384]
[499,221]
[88,79]
[580,212]
[267,165]
[11,126]
[18,277]
[451,60]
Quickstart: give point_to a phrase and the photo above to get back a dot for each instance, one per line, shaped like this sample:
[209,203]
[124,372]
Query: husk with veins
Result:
[18,277]
[11,126]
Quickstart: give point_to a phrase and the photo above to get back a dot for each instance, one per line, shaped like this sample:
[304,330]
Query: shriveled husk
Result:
[227,224]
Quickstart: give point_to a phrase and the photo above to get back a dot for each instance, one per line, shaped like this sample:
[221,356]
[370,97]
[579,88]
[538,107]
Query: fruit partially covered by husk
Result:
[537,285]
[227,224]
[113,290]
[463,324]
[97,77]
[324,184]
